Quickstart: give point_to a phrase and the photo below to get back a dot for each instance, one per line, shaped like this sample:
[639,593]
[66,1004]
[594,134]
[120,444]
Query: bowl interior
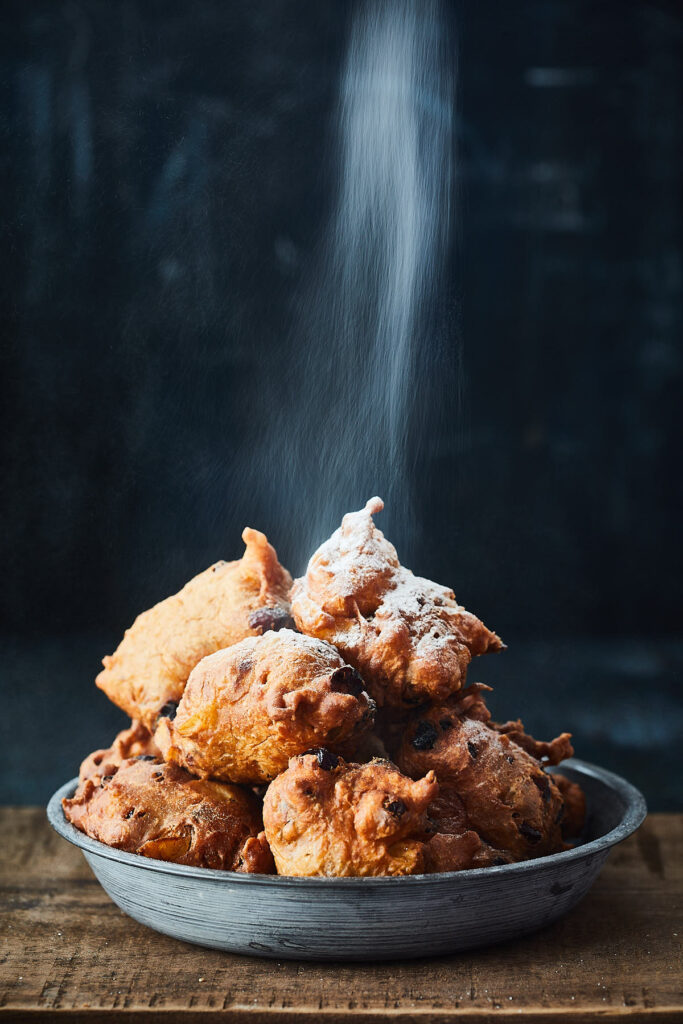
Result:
[607,805]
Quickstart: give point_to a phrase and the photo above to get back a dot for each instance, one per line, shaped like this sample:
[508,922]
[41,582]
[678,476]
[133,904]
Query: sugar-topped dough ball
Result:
[159,810]
[326,817]
[248,709]
[230,600]
[407,636]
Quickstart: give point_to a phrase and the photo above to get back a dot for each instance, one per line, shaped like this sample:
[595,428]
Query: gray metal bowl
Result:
[363,918]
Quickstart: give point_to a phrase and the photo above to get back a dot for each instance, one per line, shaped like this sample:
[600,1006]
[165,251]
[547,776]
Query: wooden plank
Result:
[67,950]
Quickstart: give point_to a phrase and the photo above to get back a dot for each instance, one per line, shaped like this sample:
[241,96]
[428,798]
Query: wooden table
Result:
[69,953]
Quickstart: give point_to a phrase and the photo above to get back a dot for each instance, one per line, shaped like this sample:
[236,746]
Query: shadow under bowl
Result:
[364,918]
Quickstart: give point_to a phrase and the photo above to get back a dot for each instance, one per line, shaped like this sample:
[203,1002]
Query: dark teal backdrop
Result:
[165,178]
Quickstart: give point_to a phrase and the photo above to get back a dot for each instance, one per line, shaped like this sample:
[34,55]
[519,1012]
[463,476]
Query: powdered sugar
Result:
[404,633]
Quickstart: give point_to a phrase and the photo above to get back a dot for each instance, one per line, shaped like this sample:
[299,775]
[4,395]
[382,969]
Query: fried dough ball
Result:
[470,702]
[161,811]
[227,602]
[135,741]
[325,817]
[456,846]
[408,637]
[487,782]
[248,709]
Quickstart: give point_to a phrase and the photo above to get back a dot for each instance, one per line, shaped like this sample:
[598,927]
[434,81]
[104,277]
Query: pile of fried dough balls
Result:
[321,727]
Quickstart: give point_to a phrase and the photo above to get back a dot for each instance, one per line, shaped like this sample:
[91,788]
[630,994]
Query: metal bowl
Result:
[364,918]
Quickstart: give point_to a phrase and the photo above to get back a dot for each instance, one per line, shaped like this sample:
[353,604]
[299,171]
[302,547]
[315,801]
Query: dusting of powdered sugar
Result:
[357,561]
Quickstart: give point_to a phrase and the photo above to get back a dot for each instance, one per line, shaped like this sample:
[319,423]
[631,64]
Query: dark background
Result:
[164,182]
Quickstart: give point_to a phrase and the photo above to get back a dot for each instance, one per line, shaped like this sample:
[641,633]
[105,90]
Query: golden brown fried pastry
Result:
[227,602]
[460,852]
[248,709]
[408,637]
[456,846]
[161,811]
[325,817]
[137,741]
[486,782]
[574,816]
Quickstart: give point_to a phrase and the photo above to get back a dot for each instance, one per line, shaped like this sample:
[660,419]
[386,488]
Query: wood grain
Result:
[69,953]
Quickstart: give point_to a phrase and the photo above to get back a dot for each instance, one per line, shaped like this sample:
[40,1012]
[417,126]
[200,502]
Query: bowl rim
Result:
[635,811]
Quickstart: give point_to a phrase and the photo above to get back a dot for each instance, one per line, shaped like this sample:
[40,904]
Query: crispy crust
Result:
[460,852]
[136,741]
[224,604]
[550,753]
[325,817]
[161,811]
[248,709]
[487,783]
[408,637]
